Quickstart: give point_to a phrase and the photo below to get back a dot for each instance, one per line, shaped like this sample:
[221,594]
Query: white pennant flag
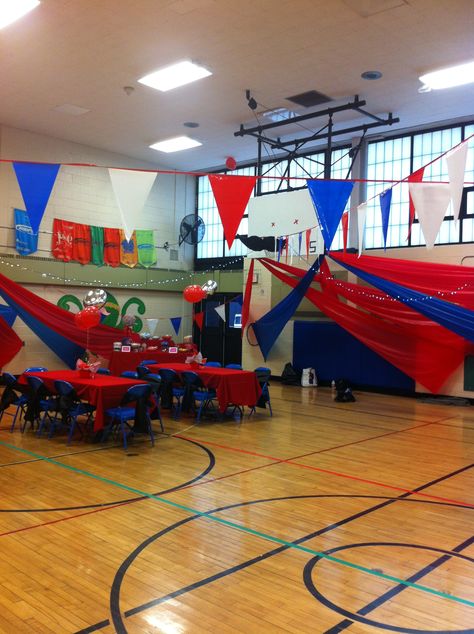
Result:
[281,214]
[431,202]
[456,160]
[151,324]
[220,310]
[131,189]
[361,215]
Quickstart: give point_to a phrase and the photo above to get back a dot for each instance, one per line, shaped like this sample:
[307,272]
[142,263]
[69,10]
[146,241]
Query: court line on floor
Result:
[246,529]
[338,474]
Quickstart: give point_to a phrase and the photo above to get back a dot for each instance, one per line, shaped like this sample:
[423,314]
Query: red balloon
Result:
[194,293]
[230,163]
[87,318]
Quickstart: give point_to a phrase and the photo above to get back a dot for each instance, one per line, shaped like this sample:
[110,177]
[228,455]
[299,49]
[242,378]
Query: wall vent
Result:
[309,99]
[174,255]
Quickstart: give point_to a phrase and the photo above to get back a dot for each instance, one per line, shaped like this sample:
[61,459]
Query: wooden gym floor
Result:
[328,517]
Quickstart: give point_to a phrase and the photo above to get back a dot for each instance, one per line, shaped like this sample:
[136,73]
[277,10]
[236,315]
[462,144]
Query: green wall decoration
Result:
[114,318]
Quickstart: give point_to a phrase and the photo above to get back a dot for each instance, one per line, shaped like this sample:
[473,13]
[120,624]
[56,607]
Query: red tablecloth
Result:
[121,361]
[236,387]
[103,391]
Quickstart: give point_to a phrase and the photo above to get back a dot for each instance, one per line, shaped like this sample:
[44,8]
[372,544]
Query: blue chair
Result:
[36,369]
[69,408]
[155,381]
[263,377]
[148,362]
[10,397]
[198,392]
[142,371]
[129,374]
[171,389]
[213,364]
[234,366]
[125,412]
[40,401]
[103,371]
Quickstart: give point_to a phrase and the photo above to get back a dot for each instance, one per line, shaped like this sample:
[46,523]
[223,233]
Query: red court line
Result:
[328,471]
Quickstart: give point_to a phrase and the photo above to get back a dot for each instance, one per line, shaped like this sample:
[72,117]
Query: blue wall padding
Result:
[335,354]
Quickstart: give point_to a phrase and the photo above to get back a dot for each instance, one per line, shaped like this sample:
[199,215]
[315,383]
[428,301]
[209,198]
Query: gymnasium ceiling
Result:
[84,52]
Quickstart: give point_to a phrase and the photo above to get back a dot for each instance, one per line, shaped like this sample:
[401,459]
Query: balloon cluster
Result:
[89,316]
[195,293]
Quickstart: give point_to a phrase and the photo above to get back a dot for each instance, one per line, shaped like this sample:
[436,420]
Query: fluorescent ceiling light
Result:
[449,77]
[12,10]
[173,76]
[176,144]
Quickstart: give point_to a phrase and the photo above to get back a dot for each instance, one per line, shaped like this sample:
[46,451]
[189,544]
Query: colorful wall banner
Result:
[111,247]
[232,194]
[81,243]
[329,199]
[36,181]
[145,240]
[26,241]
[97,246]
[63,236]
[131,189]
[128,250]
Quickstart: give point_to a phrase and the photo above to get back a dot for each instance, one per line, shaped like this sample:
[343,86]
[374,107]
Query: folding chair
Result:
[104,371]
[196,389]
[234,366]
[171,388]
[11,398]
[155,381]
[69,408]
[142,371]
[40,401]
[263,377]
[125,412]
[213,364]
[129,374]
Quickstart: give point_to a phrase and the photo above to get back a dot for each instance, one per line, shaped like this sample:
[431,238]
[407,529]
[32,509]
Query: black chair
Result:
[104,371]
[263,377]
[142,371]
[171,388]
[196,391]
[155,411]
[121,415]
[40,402]
[11,397]
[69,408]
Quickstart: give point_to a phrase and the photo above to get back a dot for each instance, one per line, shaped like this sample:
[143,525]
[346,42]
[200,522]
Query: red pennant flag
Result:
[232,194]
[345,225]
[308,240]
[247,296]
[416,177]
[199,318]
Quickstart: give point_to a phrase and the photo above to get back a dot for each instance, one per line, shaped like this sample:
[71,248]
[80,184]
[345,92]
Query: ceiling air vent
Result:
[174,255]
[309,99]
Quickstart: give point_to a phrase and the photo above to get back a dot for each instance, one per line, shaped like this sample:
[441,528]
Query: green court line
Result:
[245,529]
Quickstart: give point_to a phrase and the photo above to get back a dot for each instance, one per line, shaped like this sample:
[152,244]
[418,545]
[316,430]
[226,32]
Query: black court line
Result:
[390,594]
[116,585]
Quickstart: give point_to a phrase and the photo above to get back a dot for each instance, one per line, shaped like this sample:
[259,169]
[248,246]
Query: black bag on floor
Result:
[343,392]
[289,375]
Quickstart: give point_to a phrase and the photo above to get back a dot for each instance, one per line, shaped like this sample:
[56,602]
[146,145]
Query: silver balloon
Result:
[96,298]
[210,287]
[128,320]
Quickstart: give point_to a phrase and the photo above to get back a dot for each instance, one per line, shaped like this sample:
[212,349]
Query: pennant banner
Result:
[456,160]
[345,227]
[431,202]
[131,189]
[329,199]
[199,318]
[232,194]
[385,199]
[36,181]
[416,177]
[361,215]
[26,240]
[151,324]
[220,310]
[176,323]
[281,214]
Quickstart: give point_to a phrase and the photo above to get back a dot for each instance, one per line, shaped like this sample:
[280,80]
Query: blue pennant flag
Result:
[176,323]
[385,202]
[329,199]
[26,239]
[268,328]
[36,181]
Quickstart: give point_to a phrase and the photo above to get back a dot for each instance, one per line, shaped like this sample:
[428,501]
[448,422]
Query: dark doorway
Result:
[220,340]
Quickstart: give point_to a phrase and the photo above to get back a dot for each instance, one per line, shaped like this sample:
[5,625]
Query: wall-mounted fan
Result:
[191,229]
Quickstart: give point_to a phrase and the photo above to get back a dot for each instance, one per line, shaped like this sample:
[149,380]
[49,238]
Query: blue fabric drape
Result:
[453,317]
[36,181]
[268,328]
[329,199]
[8,314]
[66,350]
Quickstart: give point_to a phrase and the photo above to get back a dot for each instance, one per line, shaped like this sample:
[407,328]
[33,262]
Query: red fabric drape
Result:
[428,359]
[232,194]
[111,247]
[247,296]
[10,343]
[81,243]
[450,282]
[63,236]
[99,339]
